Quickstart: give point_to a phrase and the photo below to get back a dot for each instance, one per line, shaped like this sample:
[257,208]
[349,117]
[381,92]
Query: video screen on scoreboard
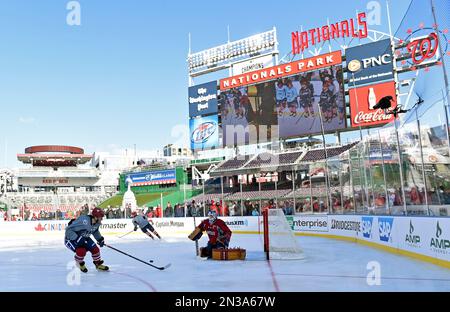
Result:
[299,97]
[249,115]
[284,108]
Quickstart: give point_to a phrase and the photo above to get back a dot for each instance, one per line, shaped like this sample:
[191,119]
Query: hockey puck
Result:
[151,261]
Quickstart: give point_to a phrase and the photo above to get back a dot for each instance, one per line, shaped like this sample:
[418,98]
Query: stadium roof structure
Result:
[54,156]
[276,162]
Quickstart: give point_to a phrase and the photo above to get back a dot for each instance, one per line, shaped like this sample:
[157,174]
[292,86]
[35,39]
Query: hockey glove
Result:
[196,235]
[101,242]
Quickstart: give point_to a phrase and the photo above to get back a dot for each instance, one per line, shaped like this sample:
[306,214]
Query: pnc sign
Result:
[370,63]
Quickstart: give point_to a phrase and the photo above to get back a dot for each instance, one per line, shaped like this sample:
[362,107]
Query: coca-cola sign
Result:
[375,116]
[362,101]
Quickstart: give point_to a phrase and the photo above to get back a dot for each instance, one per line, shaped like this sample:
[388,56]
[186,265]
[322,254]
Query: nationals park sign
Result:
[279,71]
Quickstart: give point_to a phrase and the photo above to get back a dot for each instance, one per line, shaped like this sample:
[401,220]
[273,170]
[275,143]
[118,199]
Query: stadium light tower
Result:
[223,56]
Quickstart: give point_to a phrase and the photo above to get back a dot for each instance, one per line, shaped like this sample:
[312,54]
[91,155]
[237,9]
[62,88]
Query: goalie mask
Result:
[212,216]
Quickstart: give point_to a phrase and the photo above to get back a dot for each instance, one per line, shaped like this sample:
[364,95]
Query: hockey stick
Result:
[124,253]
[126,234]
[312,125]
[196,241]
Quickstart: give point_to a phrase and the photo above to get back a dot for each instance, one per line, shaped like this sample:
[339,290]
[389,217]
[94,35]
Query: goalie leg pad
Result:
[229,254]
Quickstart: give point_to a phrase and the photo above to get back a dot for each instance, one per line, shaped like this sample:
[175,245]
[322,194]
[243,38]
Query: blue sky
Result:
[120,78]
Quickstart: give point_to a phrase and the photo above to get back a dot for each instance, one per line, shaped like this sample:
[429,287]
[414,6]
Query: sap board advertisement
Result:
[204,133]
[203,99]
[419,235]
[379,230]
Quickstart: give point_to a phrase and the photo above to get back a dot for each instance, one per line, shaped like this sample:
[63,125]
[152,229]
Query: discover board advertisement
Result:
[424,238]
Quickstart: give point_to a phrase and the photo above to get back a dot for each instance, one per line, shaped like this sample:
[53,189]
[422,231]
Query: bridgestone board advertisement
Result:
[419,235]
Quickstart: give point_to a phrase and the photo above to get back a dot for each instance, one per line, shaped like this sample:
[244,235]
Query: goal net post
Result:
[280,242]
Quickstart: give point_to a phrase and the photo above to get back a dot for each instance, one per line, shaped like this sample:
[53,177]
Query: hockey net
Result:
[279,239]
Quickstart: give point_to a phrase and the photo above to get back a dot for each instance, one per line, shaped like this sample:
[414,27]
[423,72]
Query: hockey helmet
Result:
[98,213]
[212,216]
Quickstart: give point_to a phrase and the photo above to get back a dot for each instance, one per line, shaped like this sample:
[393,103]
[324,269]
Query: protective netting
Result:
[422,18]
[282,242]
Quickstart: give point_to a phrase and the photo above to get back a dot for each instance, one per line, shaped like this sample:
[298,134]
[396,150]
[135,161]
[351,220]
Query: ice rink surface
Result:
[329,265]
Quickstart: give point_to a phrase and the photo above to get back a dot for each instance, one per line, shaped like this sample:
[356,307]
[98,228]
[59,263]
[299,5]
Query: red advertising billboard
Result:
[362,101]
[283,70]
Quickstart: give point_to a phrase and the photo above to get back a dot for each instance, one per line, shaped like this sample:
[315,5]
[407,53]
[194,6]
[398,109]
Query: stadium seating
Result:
[234,163]
[263,160]
[319,154]
[306,192]
[49,202]
[253,195]
[208,197]
[289,158]
[272,160]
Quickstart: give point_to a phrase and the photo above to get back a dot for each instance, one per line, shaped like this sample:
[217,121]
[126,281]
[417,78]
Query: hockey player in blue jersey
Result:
[78,239]
[141,221]
[280,95]
[306,97]
[291,98]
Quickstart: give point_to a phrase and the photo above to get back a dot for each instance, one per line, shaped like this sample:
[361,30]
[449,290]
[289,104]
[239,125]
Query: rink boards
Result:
[424,238]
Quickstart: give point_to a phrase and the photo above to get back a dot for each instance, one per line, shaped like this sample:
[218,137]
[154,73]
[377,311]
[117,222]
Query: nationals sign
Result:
[289,69]
[423,49]
[347,28]
[362,101]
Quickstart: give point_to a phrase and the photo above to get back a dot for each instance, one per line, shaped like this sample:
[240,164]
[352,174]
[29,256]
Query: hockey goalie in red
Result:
[218,232]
